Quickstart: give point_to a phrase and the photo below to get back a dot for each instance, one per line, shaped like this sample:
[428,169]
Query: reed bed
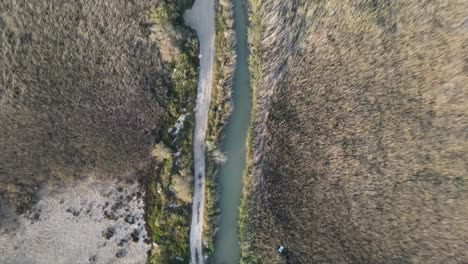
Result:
[358,145]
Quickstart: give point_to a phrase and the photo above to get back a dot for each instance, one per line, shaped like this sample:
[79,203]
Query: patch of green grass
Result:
[255,64]
[168,215]
[223,68]
[220,108]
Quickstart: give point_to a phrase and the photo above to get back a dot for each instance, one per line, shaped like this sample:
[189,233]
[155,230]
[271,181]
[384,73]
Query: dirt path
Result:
[201,18]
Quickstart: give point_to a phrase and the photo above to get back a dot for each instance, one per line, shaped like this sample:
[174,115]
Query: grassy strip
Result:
[220,109]
[255,63]
[169,193]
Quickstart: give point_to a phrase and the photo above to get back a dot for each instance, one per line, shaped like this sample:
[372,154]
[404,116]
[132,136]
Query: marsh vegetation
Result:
[359,149]
[100,89]
[82,92]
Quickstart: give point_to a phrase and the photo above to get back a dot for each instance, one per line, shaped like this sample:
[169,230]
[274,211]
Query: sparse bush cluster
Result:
[170,194]
[160,153]
[359,146]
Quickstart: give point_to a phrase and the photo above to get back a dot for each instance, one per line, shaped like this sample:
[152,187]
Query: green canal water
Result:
[227,248]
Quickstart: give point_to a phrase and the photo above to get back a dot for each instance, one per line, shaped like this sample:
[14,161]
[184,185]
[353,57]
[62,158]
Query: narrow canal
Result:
[227,248]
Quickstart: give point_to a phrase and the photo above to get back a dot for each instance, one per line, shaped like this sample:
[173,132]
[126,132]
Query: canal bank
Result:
[229,179]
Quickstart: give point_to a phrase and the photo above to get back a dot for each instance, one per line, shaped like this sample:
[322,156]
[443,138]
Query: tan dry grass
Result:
[364,158]
[80,90]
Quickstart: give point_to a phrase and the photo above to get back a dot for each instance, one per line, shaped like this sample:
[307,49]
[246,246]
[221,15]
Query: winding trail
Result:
[201,18]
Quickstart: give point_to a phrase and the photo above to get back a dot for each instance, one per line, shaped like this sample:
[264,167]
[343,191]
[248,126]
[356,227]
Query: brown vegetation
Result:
[359,137]
[81,90]
[86,90]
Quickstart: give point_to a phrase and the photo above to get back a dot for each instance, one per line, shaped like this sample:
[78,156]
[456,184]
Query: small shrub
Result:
[160,153]
[183,188]
[218,156]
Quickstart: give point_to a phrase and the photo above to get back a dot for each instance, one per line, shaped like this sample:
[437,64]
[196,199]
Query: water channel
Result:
[227,248]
